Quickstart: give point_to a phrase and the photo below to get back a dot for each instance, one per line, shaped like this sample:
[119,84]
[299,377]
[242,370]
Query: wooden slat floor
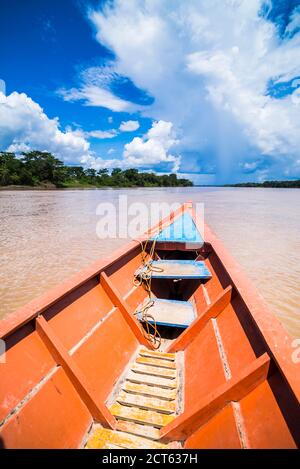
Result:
[146,402]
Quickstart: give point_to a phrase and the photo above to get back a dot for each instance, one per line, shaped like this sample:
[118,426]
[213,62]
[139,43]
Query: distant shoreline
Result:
[52,187]
[37,170]
[292,184]
[42,170]
[45,187]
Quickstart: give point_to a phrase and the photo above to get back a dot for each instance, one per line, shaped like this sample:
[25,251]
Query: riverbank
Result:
[44,171]
[295,184]
[50,186]
[47,187]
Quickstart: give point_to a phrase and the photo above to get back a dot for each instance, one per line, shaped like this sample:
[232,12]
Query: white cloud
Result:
[153,148]
[2,86]
[25,126]
[294,24]
[92,95]
[129,126]
[102,134]
[98,134]
[268,122]
[94,90]
[208,65]
[151,151]
[92,161]
[126,126]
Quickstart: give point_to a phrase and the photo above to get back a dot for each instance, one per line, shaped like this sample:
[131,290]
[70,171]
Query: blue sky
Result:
[210,91]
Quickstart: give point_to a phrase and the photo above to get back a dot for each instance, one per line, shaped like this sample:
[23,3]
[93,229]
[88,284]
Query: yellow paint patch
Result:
[156,362]
[161,355]
[146,417]
[159,381]
[145,404]
[153,391]
[138,429]
[154,370]
[103,437]
[148,403]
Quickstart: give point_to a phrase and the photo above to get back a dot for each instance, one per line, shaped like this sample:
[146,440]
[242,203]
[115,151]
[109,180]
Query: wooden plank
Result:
[164,383]
[178,269]
[98,410]
[108,445]
[161,355]
[118,301]
[171,313]
[156,362]
[233,390]
[147,403]
[101,444]
[154,371]
[212,311]
[103,436]
[153,391]
[137,429]
[146,417]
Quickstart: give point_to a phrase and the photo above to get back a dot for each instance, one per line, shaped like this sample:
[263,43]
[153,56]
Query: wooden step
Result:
[137,429]
[100,444]
[161,355]
[161,382]
[103,436]
[147,403]
[154,371]
[146,417]
[156,361]
[154,391]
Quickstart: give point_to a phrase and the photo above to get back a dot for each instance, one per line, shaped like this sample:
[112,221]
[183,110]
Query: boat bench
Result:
[172,313]
[177,269]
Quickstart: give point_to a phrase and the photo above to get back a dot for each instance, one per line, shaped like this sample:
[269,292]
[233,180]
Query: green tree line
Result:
[36,168]
[280,184]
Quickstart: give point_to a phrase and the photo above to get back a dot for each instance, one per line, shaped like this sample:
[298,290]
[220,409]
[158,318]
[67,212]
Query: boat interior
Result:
[81,372]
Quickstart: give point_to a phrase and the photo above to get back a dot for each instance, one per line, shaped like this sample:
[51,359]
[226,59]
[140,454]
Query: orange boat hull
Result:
[66,351]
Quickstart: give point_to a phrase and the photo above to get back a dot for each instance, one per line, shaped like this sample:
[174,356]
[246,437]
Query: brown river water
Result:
[47,236]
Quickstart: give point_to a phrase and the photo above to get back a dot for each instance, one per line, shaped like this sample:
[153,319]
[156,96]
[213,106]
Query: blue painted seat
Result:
[177,269]
[182,231]
[170,313]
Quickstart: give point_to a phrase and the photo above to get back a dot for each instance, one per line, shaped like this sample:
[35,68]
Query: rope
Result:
[202,258]
[144,278]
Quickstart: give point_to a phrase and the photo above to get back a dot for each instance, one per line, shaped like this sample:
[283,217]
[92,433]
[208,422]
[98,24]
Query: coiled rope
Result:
[144,277]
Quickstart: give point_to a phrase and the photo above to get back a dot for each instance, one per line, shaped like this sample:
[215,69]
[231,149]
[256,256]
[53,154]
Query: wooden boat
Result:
[82,372]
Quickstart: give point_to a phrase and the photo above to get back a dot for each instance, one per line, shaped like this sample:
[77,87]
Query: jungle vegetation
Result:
[38,169]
